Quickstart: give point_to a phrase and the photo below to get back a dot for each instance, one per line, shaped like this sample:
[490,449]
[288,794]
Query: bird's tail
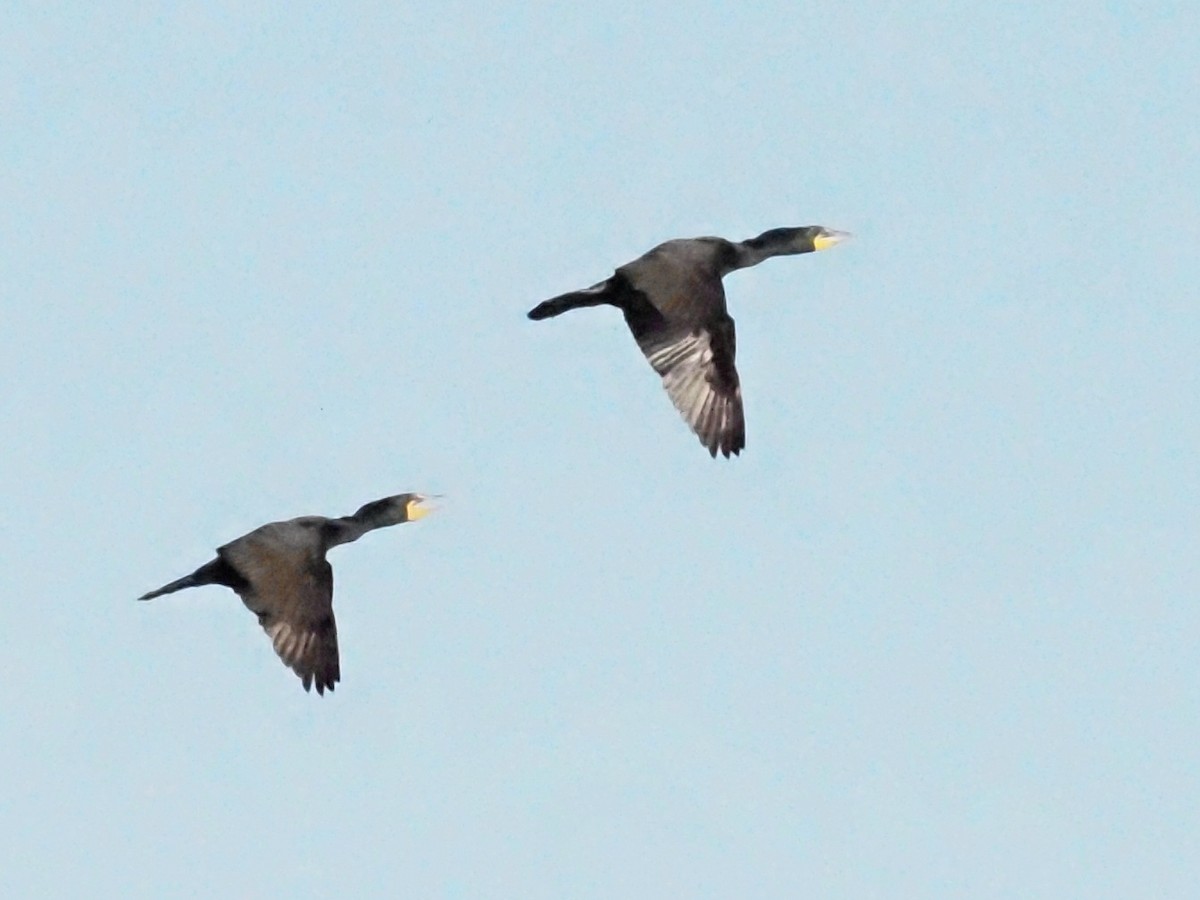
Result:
[210,573]
[596,295]
[178,584]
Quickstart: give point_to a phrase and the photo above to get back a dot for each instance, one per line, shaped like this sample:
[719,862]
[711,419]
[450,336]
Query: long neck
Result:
[349,528]
[777,242]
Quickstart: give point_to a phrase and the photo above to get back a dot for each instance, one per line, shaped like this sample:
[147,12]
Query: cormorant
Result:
[674,303]
[281,574]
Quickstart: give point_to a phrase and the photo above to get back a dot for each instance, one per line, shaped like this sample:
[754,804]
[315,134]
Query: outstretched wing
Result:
[697,367]
[290,589]
[675,307]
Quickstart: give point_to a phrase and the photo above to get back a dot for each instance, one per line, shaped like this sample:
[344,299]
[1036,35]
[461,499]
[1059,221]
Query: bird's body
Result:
[673,301]
[280,572]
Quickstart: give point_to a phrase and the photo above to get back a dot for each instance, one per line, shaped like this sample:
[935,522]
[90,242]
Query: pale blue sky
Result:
[933,635]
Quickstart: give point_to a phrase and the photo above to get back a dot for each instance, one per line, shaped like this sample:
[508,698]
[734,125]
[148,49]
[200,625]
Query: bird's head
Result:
[805,239]
[397,509]
[823,238]
[417,506]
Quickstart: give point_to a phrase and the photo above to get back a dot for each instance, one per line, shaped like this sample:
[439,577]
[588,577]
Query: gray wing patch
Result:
[310,650]
[698,373]
[291,592]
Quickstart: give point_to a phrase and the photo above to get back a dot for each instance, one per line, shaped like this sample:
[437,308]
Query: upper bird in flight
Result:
[674,303]
[280,572]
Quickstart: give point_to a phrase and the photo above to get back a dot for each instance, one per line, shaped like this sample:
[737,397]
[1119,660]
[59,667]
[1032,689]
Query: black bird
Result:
[281,574]
[674,303]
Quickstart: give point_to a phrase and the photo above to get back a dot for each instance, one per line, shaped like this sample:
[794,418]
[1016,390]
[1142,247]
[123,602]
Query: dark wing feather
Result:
[290,588]
[697,368]
[674,303]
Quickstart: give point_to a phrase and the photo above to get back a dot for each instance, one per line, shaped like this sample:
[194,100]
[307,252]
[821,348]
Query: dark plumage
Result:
[281,574]
[674,303]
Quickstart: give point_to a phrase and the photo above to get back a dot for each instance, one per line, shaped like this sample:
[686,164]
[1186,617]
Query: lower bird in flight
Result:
[281,574]
[674,303]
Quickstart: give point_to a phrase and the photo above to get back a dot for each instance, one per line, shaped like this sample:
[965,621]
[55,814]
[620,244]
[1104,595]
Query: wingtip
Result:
[726,449]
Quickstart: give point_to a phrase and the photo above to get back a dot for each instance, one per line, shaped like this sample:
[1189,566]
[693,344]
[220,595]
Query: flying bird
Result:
[674,303]
[281,574]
